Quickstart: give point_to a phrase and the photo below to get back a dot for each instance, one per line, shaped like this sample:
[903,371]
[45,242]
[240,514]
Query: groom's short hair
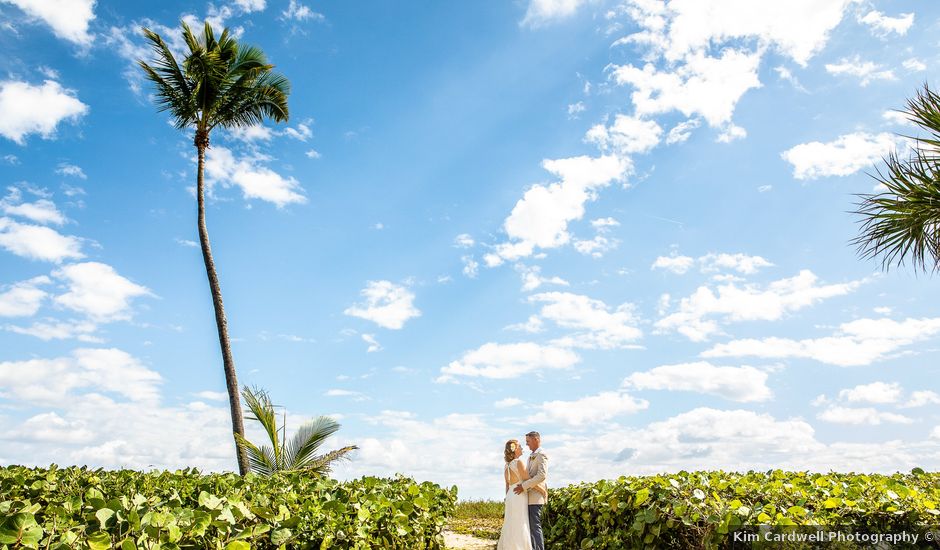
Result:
[534,434]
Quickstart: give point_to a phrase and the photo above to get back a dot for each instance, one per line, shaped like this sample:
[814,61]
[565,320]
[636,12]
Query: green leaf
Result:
[238,545]
[99,541]
[103,515]
[832,502]
[281,536]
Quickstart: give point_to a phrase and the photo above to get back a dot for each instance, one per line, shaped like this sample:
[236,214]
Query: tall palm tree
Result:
[902,223]
[220,83]
[300,453]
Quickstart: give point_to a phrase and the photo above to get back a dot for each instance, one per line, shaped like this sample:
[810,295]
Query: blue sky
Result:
[623,224]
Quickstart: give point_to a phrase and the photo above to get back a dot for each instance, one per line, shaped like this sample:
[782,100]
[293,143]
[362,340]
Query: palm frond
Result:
[323,465]
[308,439]
[260,460]
[902,223]
[262,410]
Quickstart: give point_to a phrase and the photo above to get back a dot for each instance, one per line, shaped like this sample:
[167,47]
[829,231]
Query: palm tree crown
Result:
[902,223]
[300,453]
[221,82]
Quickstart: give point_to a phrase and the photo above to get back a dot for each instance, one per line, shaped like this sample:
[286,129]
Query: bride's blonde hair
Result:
[509,453]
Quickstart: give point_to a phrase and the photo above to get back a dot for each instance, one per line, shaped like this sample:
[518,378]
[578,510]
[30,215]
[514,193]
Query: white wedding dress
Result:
[515,534]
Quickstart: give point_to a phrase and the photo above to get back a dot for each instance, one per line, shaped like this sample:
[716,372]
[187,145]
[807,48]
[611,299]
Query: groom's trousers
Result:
[535,526]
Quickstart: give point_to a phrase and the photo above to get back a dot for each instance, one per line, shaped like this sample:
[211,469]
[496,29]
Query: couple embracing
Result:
[526,494]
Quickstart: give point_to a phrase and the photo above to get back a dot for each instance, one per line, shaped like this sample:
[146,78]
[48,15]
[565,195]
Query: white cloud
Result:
[374,345]
[51,329]
[540,218]
[355,395]
[98,291]
[590,409]
[52,428]
[845,156]
[312,154]
[26,109]
[23,299]
[599,326]
[69,19]
[742,263]
[53,381]
[255,132]
[37,242]
[798,29]
[504,361]
[66,169]
[896,117]
[212,395]
[249,6]
[11,159]
[920,398]
[301,133]
[532,278]
[676,264]
[731,132]
[603,224]
[695,315]
[876,392]
[187,243]
[255,180]
[464,240]
[540,12]
[470,266]
[882,25]
[387,305]
[533,325]
[574,109]
[596,247]
[702,85]
[508,403]
[785,74]
[861,415]
[744,384]
[600,244]
[626,135]
[681,132]
[860,342]
[914,65]
[865,71]
[41,211]
[299,12]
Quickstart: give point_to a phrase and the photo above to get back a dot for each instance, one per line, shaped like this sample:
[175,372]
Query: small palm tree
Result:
[902,223]
[300,453]
[220,83]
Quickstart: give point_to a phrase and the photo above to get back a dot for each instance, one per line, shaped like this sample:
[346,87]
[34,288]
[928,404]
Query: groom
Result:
[538,470]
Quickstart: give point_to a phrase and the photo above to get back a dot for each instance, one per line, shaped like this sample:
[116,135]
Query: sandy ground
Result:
[456,541]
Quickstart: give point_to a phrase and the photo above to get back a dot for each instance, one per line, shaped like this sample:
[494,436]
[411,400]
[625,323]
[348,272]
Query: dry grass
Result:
[480,518]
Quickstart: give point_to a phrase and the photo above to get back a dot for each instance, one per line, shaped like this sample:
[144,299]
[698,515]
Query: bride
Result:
[515,534]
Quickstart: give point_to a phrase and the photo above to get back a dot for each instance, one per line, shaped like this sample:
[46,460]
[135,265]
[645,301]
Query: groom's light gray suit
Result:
[538,471]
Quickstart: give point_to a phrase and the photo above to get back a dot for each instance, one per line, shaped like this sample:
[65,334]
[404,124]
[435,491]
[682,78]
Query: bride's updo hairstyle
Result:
[509,453]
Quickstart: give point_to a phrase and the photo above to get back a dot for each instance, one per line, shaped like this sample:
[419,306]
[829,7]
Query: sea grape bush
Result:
[58,508]
[703,509]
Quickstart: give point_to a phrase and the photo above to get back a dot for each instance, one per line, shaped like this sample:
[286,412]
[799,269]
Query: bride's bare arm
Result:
[506,479]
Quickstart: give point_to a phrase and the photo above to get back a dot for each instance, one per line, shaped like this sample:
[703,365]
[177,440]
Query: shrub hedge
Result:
[73,507]
[703,509]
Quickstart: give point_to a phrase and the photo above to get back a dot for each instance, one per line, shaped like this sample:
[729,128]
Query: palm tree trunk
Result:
[228,363]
